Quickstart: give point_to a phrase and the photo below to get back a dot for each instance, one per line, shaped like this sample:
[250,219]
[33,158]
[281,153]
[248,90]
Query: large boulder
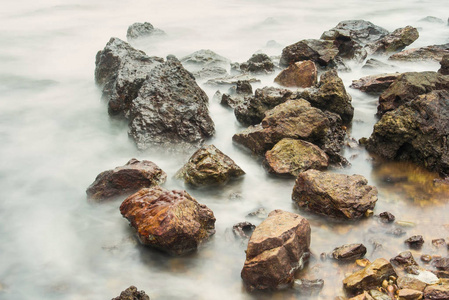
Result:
[209,166]
[319,51]
[132,293]
[290,157]
[276,249]
[375,83]
[170,108]
[409,85]
[416,131]
[444,65]
[299,74]
[429,53]
[395,41]
[334,195]
[142,30]
[172,221]
[258,64]
[125,180]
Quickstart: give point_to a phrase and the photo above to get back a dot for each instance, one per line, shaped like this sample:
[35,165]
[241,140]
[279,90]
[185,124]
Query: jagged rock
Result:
[395,41]
[408,294]
[132,293]
[370,277]
[299,74]
[408,86]
[444,65]
[432,53]
[437,292]
[319,51]
[170,108]
[243,230]
[276,250]
[126,180]
[416,131]
[331,95]
[409,282]
[291,157]
[373,63]
[415,241]
[142,30]
[172,221]
[349,252]
[374,83]
[209,166]
[210,72]
[308,287]
[386,217]
[404,264]
[204,58]
[334,195]
[237,94]
[258,64]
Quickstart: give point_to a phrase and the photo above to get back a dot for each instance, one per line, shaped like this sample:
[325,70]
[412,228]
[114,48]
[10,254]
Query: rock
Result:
[387,217]
[375,83]
[409,282]
[301,74]
[370,277]
[426,258]
[142,30]
[204,58]
[276,250]
[232,101]
[243,230]
[395,41]
[237,94]
[210,72]
[444,65]
[364,296]
[291,157]
[308,287]
[170,108]
[429,53]
[349,252]
[209,166]
[318,51]
[441,263]
[120,71]
[331,96]
[437,292]
[172,221]
[373,63]
[125,180]
[404,263]
[253,109]
[396,231]
[334,195]
[132,293]
[243,87]
[415,241]
[416,131]
[438,243]
[260,213]
[231,80]
[258,64]
[408,294]
[378,295]
[408,86]
[432,19]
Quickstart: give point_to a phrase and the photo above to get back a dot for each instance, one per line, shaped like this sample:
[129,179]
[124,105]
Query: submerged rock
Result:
[209,166]
[444,65]
[258,64]
[374,83]
[132,293]
[334,195]
[319,51]
[275,251]
[210,72]
[308,287]
[142,30]
[125,180]
[299,74]
[349,252]
[204,58]
[373,63]
[172,221]
[429,53]
[387,217]
[231,80]
[395,41]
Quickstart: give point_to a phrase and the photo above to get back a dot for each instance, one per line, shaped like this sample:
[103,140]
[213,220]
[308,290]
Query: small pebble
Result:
[426,258]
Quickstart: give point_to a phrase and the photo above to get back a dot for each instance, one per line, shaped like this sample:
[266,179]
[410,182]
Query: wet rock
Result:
[404,262]
[258,64]
[170,108]
[120,71]
[417,131]
[415,241]
[243,87]
[373,63]
[441,263]
[439,243]
[125,180]
[291,157]
[243,230]
[299,74]
[231,80]
[395,41]
[237,94]
[349,252]
[204,58]
[319,51]
[370,277]
[172,221]
[364,296]
[308,287]
[334,195]
[408,86]
[386,217]
[142,30]
[437,292]
[444,65]
[275,251]
[232,101]
[409,294]
[426,258]
[210,72]
[132,293]
[429,53]
[209,166]
[409,282]
[375,83]
[331,96]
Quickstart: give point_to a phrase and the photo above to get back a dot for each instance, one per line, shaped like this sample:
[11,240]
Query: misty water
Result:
[56,136]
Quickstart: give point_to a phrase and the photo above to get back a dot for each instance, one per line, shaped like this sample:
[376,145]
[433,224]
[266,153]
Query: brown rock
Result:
[444,65]
[415,241]
[403,262]
[276,250]
[409,282]
[319,51]
[437,292]
[171,221]
[300,74]
[441,263]
[395,41]
[408,294]
[132,293]
[429,53]
[335,195]
[364,296]
[125,180]
[243,230]
[374,83]
[349,252]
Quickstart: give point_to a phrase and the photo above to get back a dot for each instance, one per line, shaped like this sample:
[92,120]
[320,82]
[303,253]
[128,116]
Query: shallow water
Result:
[56,137]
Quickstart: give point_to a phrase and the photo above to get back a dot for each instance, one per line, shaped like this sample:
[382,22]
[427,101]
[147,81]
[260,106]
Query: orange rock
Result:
[300,74]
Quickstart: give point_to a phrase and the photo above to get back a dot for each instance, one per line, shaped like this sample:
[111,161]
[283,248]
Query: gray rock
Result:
[308,287]
[132,293]
[142,30]
[373,63]
[258,64]
[204,58]
[210,72]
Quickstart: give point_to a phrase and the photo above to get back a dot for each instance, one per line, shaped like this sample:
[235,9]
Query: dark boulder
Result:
[404,263]
[375,83]
[125,180]
[299,74]
[142,30]
[334,195]
[349,252]
[444,65]
[132,293]
[258,64]
[172,221]
[395,41]
[429,53]
[319,51]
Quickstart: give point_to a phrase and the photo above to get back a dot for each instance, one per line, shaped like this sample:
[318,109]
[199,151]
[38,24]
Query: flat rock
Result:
[395,41]
[125,180]
[375,83]
[142,30]
[231,80]
[132,293]
[349,252]
[429,53]
[275,251]
[301,74]
[258,64]
[334,195]
[210,72]
[172,221]
[209,166]
[410,282]
[408,294]
[319,51]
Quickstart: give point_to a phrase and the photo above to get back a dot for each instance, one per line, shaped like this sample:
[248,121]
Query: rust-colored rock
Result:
[429,53]
[172,221]
[408,294]
[334,195]
[319,51]
[276,250]
[125,180]
[374,83]
[300,74]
